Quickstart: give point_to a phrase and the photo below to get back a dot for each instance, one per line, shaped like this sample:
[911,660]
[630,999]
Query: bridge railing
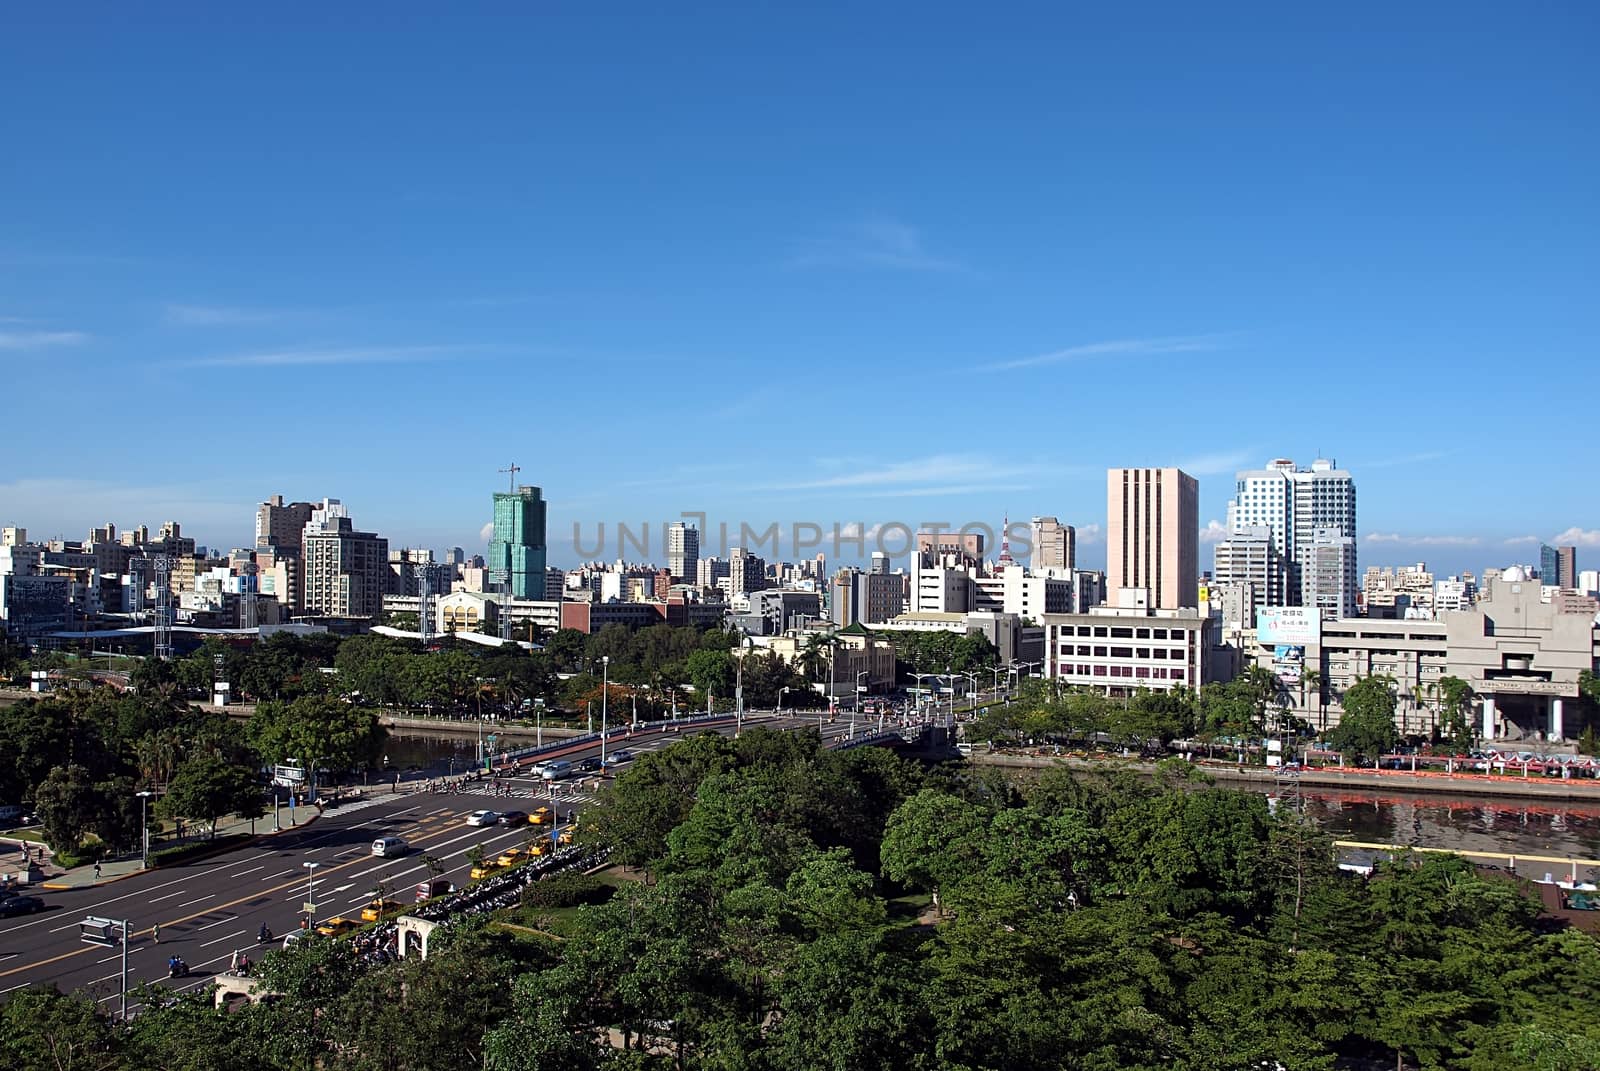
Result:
[623,731]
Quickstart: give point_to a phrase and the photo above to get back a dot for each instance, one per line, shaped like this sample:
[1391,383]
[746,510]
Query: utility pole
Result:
[605,696]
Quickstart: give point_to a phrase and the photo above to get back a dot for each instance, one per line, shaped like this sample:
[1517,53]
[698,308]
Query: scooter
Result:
[177,968]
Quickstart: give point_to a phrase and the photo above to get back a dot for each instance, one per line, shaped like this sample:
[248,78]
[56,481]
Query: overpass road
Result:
[208,909]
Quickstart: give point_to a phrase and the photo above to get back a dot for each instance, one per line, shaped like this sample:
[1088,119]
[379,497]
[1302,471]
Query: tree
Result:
[42,1030]
[1367,728]
[205,788]
[316,731]
[1455,698]
[69,805]
[711,672]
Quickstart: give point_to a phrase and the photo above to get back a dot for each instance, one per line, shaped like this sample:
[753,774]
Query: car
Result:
[510,857]
[482,818]
[588,765]
[389,847]
[337,925]
[618,757]
[294,936]
[379,908]
[483,869]
[565,836]
[20,905]
[541,816]
[513,818]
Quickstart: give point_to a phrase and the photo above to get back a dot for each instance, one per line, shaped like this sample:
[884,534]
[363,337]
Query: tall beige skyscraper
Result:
[1055,545]
[1153,535]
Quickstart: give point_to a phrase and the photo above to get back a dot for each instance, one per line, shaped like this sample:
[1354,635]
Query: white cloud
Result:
[1214,532]
[486,532]
[1089,533]
[875,243]
[1408,459]
[1423,540]
[1218,464]
[325,356]
[939,468]
[27,340]
[1122,347]
[217,316]
[1521,540]
[1577,537]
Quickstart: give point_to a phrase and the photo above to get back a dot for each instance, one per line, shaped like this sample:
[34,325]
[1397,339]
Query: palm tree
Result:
[1312,678]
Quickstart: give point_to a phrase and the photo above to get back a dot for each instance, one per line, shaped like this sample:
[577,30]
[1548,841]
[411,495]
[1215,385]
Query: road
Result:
[209,909]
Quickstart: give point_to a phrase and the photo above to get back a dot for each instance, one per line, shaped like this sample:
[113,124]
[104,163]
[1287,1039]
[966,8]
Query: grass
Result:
[32,836]
[907,909]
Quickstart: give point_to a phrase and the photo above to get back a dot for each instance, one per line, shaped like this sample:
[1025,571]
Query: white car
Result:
[483,818]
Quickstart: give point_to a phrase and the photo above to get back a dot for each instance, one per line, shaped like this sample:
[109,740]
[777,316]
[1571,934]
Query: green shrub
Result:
[566,890]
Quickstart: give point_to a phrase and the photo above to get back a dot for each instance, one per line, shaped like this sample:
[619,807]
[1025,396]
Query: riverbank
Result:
[1472,786]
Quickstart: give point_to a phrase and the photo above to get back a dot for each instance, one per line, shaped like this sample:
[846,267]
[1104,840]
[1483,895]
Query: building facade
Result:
[683,552]
[1118,651]
[1153,534]
[1055,545]
[517,546]
[346,571]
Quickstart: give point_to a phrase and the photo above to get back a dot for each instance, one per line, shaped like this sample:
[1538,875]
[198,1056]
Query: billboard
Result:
[1294,625]
[1288,662]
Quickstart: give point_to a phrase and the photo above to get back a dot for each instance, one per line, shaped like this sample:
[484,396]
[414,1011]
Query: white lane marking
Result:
[169,896]
[219,940]
[219,922]
[118,954]
[19,985]
[202,900]
[242,873]
[343,888]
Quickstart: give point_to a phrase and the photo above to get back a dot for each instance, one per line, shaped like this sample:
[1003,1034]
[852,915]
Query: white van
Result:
[555,769]
[389,847]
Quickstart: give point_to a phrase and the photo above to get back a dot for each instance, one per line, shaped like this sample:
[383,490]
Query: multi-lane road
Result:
[209,909]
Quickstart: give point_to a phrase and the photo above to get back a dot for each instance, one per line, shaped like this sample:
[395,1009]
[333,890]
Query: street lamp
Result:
[144,795]
[861,689]
[311,903]
[973,697]
[738,689]
[782,690]
[605,695]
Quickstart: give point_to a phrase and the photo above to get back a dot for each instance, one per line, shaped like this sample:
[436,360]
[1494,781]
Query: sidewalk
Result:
[58,878]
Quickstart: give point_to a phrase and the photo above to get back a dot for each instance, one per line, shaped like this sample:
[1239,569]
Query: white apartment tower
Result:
[683,552]
[1328,573]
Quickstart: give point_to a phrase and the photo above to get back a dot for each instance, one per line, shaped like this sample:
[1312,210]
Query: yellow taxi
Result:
[337,925]
[484,869]
[510,857]
[379,908]
[541,816]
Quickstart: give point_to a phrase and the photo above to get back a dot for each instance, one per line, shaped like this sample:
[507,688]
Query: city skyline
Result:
[526,241]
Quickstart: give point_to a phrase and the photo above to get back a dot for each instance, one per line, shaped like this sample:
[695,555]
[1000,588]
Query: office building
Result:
[1249,556]
[1118,650]
[967,544]
[1549,565]
[683,552]
[1293,503]
[1328,573]
[866,598]
[1153,535]
[346,571]
[1054,545]
[517,547]
[710,572]
[1567,568]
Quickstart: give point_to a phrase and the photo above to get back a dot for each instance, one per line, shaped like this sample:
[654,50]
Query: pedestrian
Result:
[155,933]
[233,963]
[97,870]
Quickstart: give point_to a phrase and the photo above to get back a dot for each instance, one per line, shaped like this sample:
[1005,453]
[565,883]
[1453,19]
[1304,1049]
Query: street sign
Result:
[309,907]
[98,931]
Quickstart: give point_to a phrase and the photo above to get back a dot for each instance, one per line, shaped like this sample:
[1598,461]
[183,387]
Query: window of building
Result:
[1122,652]
[1141,634]
[1122,633]
[1099,671]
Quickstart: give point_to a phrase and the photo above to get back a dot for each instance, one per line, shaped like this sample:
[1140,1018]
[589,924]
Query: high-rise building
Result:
[936,543]
[517,547]
[1329,567]
[1153,535]
[710,571]
[1567,568]
[1292,503]
[1250,557]
[346,571]
[683,552]
[1055,545]
[746,572]
[281,526]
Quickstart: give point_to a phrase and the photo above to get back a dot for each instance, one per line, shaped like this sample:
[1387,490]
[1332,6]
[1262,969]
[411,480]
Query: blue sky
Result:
[821,263]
